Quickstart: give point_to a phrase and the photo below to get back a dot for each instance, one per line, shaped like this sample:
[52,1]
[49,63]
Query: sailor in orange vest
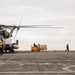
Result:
[1,47]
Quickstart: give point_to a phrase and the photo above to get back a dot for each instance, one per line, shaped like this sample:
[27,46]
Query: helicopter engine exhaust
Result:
[15,45]
[11,47]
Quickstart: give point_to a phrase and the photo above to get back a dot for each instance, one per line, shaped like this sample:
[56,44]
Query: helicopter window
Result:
[1,39]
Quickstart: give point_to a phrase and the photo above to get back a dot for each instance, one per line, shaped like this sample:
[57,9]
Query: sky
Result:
[41,12]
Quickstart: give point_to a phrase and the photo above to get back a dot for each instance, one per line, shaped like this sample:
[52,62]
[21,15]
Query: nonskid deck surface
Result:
[38,63]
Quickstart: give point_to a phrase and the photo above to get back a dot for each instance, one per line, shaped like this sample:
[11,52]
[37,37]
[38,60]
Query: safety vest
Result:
[1,45]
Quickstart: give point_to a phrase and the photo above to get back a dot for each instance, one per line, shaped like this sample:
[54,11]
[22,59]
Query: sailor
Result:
[35,45]
[1,47]
[67,48]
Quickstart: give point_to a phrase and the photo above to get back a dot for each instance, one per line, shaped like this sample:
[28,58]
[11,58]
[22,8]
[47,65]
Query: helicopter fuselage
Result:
[8,45]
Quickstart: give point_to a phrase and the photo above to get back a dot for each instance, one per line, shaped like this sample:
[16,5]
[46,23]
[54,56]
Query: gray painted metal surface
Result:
[38,63]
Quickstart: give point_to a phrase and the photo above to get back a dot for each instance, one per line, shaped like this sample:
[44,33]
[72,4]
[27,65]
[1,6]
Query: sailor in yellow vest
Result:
[1,47]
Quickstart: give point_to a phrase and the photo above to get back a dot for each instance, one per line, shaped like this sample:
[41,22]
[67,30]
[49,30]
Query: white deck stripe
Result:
[9,59]
[13,57]
[36,72]
[68,68]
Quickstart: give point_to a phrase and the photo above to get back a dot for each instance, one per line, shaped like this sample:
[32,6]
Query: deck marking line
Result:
[67,68]
[9,59]
[13,57]
[35,72]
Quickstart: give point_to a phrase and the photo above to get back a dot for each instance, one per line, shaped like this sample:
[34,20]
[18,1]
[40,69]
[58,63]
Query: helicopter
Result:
[6,35]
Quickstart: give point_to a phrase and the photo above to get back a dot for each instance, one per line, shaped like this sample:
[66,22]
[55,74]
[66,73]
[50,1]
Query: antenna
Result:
[18,27]
[20,21]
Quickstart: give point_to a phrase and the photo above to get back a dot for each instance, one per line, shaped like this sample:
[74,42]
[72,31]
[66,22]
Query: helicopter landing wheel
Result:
[11,51]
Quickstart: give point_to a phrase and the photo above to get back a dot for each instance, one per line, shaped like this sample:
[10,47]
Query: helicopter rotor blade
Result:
[24,25]
[30,26]
[39,26]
